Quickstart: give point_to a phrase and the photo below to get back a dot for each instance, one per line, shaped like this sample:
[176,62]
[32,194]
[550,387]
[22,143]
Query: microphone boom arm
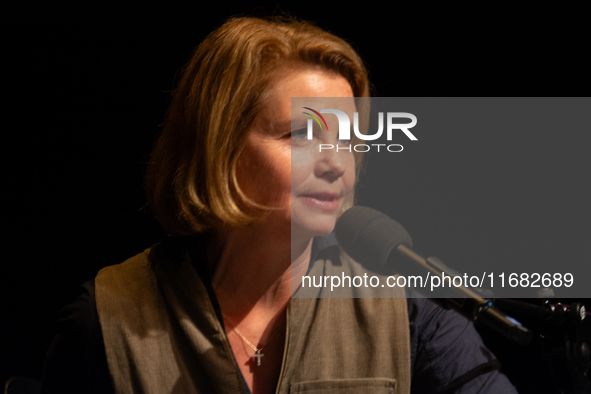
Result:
[463,300]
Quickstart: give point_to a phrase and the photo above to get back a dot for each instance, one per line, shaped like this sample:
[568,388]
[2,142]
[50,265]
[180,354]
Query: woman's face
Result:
[283,169]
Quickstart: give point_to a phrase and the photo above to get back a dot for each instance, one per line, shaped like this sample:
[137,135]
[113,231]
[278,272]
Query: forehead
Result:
[308,83]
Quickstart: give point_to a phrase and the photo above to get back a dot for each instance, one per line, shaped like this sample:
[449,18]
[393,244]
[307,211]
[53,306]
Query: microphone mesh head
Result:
[369,236]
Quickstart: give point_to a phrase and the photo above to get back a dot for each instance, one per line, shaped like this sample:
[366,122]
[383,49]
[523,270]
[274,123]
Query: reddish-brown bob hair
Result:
[191,181]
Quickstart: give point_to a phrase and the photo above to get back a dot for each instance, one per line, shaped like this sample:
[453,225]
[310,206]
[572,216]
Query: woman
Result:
[248,205]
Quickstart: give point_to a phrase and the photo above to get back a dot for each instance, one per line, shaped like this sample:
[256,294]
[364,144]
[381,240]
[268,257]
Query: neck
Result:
[255,265]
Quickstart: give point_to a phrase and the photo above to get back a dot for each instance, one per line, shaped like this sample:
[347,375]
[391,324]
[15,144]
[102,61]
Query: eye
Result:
[345,142]
[299,134]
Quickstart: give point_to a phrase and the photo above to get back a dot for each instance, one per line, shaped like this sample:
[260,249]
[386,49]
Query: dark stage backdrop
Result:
[88,87]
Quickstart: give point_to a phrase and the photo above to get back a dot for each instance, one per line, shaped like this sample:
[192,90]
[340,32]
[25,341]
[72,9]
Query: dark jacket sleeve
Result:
[449,355]
[76,361]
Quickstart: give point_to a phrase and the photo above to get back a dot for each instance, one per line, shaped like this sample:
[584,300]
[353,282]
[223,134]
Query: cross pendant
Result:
[258,356]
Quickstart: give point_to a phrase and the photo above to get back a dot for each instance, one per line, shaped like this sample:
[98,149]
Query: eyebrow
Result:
[286,125]
[298,123]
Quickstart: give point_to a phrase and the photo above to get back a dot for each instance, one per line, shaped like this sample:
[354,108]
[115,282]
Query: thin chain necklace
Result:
[257,351]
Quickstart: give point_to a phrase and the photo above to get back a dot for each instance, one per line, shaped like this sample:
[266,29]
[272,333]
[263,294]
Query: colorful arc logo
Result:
[315,118]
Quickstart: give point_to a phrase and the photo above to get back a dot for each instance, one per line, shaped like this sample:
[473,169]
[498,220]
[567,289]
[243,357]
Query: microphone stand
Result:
[378,242]
[483,309]
[568,319]
[477,307]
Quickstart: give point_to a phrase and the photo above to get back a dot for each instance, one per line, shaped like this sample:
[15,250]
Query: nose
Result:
[331,164]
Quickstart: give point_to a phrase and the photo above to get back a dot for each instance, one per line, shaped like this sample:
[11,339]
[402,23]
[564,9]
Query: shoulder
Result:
[80,318]
[75,361]
[134,282]
[116,283]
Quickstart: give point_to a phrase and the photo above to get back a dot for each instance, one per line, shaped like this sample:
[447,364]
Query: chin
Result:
[314,227]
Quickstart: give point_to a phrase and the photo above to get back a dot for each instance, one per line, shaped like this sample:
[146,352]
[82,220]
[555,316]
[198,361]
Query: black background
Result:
[87,86]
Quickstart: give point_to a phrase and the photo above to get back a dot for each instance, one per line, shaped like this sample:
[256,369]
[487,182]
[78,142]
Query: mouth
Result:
[324,201]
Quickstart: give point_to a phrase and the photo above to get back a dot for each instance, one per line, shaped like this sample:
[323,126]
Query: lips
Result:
[323,196]
[324,201]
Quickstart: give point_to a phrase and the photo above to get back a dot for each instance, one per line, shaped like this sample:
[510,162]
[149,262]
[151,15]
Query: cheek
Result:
[302,165]
[280,162]
[262,172]
[349,176]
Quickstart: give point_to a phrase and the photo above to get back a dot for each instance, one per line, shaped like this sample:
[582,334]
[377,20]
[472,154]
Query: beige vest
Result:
[162,335]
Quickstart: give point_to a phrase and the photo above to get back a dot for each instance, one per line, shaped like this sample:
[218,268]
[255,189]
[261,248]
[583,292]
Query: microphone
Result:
[384,246]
